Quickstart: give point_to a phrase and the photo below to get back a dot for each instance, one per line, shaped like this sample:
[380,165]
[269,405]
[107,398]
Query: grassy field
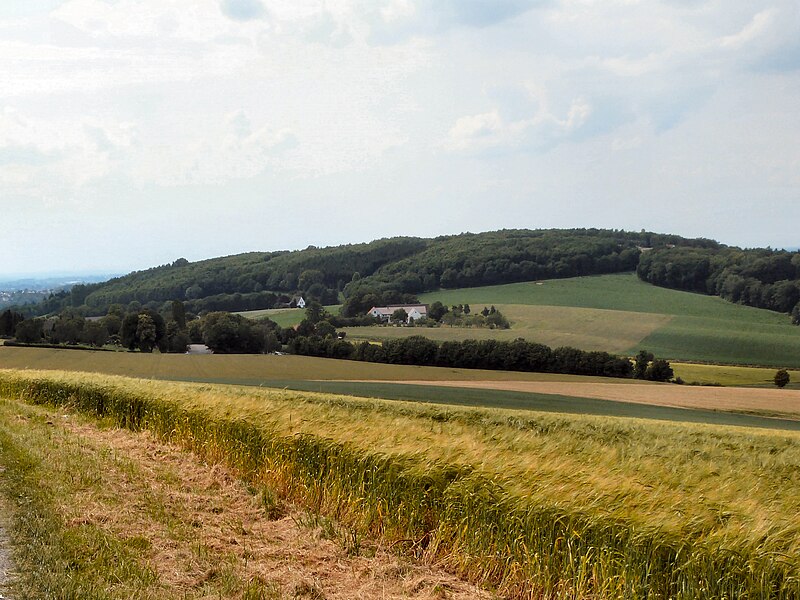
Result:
[615,313]
[731,375]
[619,313]
[247,369]
[612,292]
[285,317]
[585,328]
[533,505]
[483,396]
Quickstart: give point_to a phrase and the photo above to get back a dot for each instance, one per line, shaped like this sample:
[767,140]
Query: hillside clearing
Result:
[284,317]
[622,291]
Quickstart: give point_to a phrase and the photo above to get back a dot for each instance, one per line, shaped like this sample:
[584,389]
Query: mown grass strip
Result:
[469,518]
[51,559]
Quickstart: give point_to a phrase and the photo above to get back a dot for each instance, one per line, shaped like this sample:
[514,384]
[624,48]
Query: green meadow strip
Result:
[470,520]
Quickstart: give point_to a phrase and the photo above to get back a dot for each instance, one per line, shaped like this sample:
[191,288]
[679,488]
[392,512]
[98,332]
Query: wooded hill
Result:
[759,277]
[395,269]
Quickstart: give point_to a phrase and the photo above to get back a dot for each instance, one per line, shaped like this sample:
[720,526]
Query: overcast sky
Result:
[134,132]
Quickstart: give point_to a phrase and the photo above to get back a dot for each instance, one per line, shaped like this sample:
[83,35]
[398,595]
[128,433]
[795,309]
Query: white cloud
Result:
[57,154]
[757,27]
[472,128]
[398,10]
[178,19]
[489,131]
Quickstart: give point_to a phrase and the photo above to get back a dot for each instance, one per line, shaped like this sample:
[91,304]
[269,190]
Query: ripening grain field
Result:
[528,504]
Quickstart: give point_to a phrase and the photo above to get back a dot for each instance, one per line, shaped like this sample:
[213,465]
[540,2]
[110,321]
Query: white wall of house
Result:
[414,315]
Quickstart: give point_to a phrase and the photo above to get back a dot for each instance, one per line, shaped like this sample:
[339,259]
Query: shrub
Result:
[782,378]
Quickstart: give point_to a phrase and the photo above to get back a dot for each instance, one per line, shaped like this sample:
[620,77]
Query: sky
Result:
[135,132]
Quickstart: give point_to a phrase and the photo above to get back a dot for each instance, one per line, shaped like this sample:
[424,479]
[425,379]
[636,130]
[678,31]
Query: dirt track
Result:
[230,524]
[758,400]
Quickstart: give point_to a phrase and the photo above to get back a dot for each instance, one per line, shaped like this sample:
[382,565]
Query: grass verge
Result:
[51,559]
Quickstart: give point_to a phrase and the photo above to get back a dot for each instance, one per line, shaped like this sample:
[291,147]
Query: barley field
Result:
[528,504]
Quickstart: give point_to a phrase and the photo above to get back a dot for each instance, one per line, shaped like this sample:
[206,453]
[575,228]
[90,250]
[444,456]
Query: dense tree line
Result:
[237,302]
[518,355]
[763,278]
[146,330]
[508,256]
[9,319]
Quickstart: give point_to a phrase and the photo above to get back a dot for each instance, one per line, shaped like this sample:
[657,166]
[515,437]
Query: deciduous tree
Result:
[782,378]
[399,316]
[145,333]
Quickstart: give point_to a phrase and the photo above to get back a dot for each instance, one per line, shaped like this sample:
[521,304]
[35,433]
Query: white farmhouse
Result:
[384,313]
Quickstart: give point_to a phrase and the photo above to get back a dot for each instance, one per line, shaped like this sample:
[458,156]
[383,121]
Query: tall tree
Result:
[314,311]
[179,313]
[641,363]
[29,331]
[145,333]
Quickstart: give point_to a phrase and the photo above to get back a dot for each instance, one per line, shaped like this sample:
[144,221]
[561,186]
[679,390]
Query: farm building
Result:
[414,311]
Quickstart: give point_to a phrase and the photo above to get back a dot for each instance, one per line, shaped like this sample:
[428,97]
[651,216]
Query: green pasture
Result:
[672,324]
[731,375]
[622,291]
[285,317]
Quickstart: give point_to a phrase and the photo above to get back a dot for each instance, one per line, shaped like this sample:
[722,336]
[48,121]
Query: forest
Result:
[759,277]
